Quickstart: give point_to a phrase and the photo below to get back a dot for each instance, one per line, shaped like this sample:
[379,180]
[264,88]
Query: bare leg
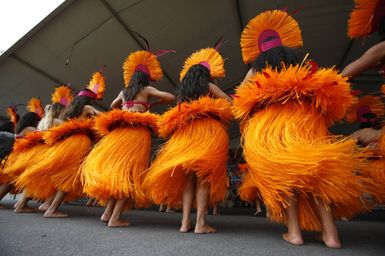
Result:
[293,234]
[187,201]
[257,207]
[202,197]
[89,202]
[44,206]
[21,206]
[329,230]
[115,220]
[169,209]
[162,207]
[215,210]
[5,189]
[108,211]
[52,211]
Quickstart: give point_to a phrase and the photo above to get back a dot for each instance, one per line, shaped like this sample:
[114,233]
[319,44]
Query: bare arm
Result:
[249,74]
[90,111]
[57,122]
[27,130]
[117,102]
[163,97]
[217,92]
[370,59]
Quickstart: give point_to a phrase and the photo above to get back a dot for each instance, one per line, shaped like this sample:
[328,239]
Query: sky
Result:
[17,17]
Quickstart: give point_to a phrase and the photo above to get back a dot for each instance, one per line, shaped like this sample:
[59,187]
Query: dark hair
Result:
[30,119]
[381,29]
[139,80]
[57,109]
[7,126]
[75,108]
[194,84]
[7,139]
[275,57]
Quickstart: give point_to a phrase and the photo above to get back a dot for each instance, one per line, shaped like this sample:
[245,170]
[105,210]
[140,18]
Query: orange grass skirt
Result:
[289,153]
[199,148]
[117,165]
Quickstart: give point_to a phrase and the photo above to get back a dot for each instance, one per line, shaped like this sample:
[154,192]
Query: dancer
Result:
[304,175]
[16,163]
[366,18]
[69,144]
[115,169]
[192,163]
[43,189]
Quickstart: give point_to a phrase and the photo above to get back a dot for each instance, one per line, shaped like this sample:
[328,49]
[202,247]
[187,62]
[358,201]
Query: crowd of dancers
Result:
[305,176]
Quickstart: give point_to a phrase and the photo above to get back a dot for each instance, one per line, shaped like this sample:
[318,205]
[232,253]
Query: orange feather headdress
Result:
[268,30]
[97,85]
[34,105]
[366,105]
[208,57]
[62,95]
[12,112]
[365,17]
[144,61]
[383,89]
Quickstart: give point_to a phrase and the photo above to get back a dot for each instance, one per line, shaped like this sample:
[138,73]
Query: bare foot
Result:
[105,217]
[118,223]
[25,209]
[332,242]
[55,214]
[185,227]
[205,229]
[43,207]
[162,208]
[16,205]
[170,210]
[293,239]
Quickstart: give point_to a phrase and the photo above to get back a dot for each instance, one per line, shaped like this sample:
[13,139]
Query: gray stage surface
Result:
[154,233]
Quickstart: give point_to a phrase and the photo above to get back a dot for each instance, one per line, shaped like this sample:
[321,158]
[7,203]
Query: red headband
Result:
[142,68]
[88,94]
[269,39]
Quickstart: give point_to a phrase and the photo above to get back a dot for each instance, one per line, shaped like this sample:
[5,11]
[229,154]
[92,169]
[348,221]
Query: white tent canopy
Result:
[87,34]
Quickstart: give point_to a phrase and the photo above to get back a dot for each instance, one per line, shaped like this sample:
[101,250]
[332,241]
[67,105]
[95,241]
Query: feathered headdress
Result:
[365,17]
[365,105]
[144,61]
[383,89]
[268,30]
[207,57]
[34,105]
[97,86]
[62,95]
[12,113]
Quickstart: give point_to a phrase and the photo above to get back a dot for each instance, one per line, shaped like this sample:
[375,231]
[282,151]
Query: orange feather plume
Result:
[34,105]
[210,57]
[275,20]
[62,95]
[108,121]
[362,19]
[97,85]
[69,128]
[325,89]
[145,60]
[13,115]
[183,114]
[372,104]
[383,89]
